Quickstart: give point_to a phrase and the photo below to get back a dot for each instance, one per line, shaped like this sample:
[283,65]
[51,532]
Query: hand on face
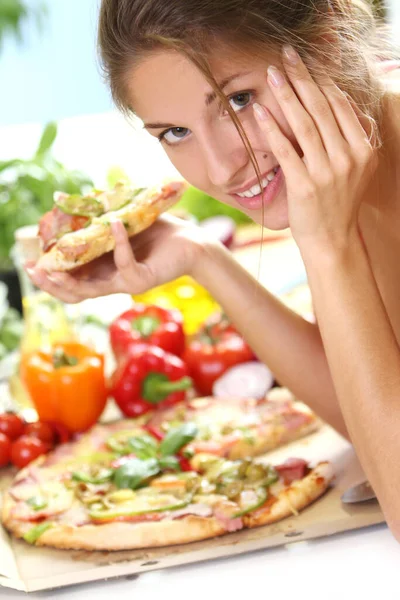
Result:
[165,251]
[325,186]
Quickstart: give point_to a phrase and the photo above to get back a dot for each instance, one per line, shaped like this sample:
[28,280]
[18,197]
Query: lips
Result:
[247,186]
[265,197]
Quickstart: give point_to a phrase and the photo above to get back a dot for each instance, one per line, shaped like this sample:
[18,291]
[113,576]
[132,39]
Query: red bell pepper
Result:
[148,324]
[217,347]
[148,377]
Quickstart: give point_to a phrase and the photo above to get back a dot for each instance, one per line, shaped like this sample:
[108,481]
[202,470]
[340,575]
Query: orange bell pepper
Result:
[66,385]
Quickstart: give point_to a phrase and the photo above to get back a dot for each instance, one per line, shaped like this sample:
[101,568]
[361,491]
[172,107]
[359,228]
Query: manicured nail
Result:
[36,276]
[56,278]
[275,77]
[260,112]
[290,54]
[114,224]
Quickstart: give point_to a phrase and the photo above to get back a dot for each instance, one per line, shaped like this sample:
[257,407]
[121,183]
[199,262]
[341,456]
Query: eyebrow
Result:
[210,97]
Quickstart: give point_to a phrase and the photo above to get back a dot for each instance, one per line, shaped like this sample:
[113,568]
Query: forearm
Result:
[283,340]
[364,360]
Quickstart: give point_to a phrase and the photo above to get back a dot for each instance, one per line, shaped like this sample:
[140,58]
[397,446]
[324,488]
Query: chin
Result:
[276,216]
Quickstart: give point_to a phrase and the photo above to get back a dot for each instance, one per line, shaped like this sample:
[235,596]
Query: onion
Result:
[221,228]
[247,380]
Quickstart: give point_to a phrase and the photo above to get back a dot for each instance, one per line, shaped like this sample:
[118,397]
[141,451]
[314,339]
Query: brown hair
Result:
[318,29]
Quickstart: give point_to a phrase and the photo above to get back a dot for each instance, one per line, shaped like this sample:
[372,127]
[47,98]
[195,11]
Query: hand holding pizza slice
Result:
[78,228]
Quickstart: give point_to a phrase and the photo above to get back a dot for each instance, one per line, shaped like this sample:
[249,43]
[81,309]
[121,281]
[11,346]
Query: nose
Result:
[224,160]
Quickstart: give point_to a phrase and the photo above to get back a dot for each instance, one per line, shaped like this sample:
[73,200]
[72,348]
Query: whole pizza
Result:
[167,480]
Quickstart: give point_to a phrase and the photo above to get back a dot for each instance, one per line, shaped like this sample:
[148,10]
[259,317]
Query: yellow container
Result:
[185,294]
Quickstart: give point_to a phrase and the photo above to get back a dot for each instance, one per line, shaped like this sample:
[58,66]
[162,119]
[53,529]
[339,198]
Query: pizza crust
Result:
[80,247]
[277,436]
[191,528]
[294,498]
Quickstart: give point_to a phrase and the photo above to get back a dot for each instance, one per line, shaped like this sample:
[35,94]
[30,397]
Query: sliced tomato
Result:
[155,431]
[185,463]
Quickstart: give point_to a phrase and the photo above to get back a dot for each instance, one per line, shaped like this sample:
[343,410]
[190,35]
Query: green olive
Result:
[244,465]
[255,472]
[231,489]
[193,483]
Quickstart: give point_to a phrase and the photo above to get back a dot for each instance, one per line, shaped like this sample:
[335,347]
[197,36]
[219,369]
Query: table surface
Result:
[360,564]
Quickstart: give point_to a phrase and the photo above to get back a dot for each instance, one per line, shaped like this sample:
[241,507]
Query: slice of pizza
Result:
[77,230]
[240,427]
[136,492]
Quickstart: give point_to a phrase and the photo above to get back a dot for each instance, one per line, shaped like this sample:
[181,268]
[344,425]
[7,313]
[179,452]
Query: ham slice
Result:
[56,223]
[224,511]
[292,470]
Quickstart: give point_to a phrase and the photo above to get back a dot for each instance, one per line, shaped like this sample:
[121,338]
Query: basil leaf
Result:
[144,446]
[176,438]
[170,463]
[135,473]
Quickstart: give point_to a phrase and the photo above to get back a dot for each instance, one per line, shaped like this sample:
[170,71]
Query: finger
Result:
[292,165]
[303,126]
[128,268]
[314,102]
[63,286]
[52,285]
[346,117]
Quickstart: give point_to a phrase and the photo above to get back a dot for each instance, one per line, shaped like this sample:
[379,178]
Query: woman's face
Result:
[178,106]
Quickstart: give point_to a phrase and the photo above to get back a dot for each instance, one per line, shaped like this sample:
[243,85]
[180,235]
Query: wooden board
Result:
[29,568]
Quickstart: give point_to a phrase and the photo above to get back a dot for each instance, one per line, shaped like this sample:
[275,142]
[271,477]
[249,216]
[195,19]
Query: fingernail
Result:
[260,112]
[115,226]
[290,54]
[56,278]
[36,276]
[275,77]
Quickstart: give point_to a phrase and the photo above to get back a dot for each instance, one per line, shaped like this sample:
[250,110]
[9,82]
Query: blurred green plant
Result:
[202,207]
[14,13]
[27,188]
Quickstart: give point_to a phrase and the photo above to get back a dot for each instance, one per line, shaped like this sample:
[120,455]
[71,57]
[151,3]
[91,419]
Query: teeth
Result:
[255,189]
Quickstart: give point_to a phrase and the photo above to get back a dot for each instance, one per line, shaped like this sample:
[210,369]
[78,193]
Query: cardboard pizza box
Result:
[29,568]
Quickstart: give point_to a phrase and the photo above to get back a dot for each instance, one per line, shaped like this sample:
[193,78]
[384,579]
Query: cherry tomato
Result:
[25,449]
[11,425]
[62,434]
[40,430]
[5,450]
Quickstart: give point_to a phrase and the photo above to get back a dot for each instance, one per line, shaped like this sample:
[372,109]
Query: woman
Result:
[276,107]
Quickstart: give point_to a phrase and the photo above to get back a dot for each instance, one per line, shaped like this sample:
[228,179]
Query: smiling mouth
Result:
[255,189]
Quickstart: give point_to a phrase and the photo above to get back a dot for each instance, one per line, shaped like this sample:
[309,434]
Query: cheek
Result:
[188,164]
[269,100]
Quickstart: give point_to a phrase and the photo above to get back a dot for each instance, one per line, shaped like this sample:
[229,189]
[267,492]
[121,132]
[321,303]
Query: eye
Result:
[240,101]
[173,135]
